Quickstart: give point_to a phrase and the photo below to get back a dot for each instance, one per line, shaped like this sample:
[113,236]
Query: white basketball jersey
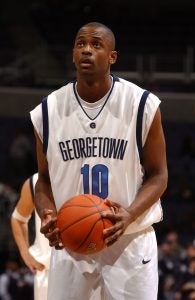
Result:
[40,249]
[101,155]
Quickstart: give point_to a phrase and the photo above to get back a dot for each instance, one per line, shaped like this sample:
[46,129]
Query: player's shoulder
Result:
[60,92]
[128,89]
[134,90]
[125,84]
[32,178]
[29,185]
[26,188]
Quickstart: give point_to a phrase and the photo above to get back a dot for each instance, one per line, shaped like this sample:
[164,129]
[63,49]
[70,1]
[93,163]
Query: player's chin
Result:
[86,70]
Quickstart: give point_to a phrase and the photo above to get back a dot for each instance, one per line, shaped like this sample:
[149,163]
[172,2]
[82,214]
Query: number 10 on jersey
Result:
[98,177]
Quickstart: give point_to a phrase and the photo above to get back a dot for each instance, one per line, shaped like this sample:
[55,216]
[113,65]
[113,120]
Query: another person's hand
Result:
[32,263]
[48,228]
[120,218]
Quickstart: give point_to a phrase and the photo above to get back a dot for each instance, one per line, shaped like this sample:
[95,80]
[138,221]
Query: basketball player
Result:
[101,134]
[36,257]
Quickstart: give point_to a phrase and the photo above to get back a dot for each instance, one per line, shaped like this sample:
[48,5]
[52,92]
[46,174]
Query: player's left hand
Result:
[120,218]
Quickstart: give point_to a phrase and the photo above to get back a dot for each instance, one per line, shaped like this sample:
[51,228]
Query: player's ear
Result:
[113,57]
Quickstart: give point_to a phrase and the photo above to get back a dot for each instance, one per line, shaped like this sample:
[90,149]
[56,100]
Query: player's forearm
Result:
[148,194]
[43,197]
[20,233]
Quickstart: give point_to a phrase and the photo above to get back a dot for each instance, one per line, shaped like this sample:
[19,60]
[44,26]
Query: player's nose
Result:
[87,49]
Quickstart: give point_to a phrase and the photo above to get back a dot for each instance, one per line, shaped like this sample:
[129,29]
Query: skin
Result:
[93,54]
[154,162]
[25,207]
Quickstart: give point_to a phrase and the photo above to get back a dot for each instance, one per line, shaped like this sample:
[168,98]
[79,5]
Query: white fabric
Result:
[68,123]
[41,285]
[93,108]
[41,251]
[118,269]
[77,149]
[16,215]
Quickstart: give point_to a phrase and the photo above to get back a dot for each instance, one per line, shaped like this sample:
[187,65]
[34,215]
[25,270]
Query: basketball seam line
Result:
[81,219]
[101,200]
[88,234]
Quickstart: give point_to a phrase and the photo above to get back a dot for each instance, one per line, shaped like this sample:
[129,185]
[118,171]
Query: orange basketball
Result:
[81,223]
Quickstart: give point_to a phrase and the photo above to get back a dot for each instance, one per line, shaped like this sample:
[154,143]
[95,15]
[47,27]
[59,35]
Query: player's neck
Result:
[92,91]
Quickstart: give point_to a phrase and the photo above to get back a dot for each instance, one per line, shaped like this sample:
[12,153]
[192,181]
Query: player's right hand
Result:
[48,228]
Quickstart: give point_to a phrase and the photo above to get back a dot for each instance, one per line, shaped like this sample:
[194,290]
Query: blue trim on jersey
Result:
[31,187]
[115,78]
[45,125]
[139,124]
[75,92]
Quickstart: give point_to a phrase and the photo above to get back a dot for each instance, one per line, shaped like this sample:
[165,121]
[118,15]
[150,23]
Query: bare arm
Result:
[155,165]
[44,201]
[24,207]
[43,193]
[154,161]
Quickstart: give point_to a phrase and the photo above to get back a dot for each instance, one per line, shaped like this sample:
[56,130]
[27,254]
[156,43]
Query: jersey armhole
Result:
[45,124]
[139,124]
[31,187]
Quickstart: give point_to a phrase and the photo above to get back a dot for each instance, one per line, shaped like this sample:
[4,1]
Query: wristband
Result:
[16,215]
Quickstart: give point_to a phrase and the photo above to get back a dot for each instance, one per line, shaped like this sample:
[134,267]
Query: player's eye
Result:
[96,45]
[80,44]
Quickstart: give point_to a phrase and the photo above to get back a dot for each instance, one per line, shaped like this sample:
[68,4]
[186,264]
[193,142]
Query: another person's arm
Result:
[155,165]
[19,224]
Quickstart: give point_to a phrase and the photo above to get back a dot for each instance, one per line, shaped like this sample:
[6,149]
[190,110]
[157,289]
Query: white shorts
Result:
[126,270]
[41,285]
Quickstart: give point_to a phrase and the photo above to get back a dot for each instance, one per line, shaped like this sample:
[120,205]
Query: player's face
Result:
[93,53]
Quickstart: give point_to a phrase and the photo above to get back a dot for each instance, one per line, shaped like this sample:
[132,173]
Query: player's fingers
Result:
[59,246]
[111,239]
[111,203]
[112,217]
[56,242]
[47,211]
[52,234]
[45,228]
[54,238]
[118,226]
[36,267]
[39,266]
[32,269]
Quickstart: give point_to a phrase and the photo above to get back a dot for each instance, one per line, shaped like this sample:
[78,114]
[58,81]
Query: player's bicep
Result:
[43,193]
[41,158]
[154,151]
[25,205]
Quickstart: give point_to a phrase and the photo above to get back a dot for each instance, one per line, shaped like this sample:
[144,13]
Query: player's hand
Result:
[120,218]
[32,263]
[48,228]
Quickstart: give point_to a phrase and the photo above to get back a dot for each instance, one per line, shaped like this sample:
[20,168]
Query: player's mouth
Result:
[85,62]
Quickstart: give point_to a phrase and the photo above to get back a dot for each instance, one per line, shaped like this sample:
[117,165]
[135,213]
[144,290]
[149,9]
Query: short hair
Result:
[107,29]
